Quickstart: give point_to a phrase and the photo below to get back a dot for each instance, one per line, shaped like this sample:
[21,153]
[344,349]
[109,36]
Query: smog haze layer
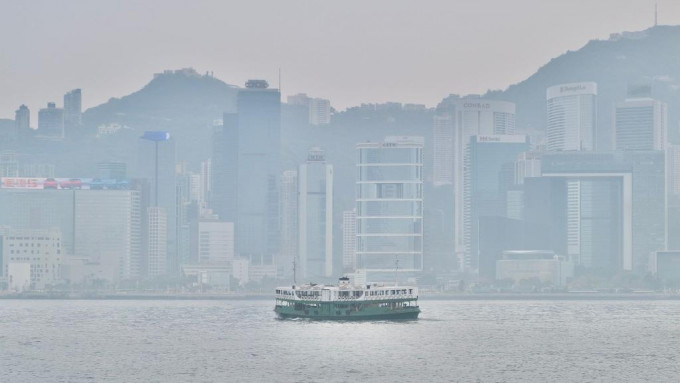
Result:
[348,51]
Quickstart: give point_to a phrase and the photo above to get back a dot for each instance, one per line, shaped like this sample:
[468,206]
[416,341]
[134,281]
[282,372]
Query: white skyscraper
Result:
[389,205]
[672,196]
[572,116]
[473,116]
[319,111]
[315,215]
[289,222]
[108,231]
[349,239]
[157,243]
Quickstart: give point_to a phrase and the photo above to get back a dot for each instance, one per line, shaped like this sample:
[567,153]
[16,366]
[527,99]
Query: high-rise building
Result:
[389,205]
[51,122]
[224,169]
[157,243]
[572,126]
[206,180]
[22,121]
[349,240]
[73,116]
[572,116]
[672,197]
[641,124]
[300,99]
[289,223]
[157,163]
[102,226]
[485,195]
[473,116]
[319,111]
[315,215]
[443,136]
[259,169]
[108,231]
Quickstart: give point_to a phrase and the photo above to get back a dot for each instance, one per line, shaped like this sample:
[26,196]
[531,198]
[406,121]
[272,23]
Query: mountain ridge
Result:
[650,56]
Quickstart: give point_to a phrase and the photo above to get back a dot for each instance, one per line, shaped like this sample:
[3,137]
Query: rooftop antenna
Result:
[279,79]
[396,269]
[294,271]
[656,13]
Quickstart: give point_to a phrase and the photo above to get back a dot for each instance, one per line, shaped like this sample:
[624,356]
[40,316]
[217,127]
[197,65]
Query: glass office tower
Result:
[389,205]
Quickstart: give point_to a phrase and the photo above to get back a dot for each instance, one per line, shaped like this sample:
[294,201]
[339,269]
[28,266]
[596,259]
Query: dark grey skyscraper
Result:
[22,121]
[641,124]
[73,109]
[51,121]
[486,194]
[224,162]
[259,168]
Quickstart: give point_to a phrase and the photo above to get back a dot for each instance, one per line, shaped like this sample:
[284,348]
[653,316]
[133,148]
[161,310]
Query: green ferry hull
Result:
[328,311]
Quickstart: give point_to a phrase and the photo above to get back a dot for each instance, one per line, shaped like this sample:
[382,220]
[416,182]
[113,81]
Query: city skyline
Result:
[340,191]
[301,72]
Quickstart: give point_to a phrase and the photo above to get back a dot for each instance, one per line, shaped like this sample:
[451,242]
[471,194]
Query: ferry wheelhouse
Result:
[347,302]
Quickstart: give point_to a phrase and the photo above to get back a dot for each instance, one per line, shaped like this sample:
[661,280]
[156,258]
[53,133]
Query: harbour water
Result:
[242,341]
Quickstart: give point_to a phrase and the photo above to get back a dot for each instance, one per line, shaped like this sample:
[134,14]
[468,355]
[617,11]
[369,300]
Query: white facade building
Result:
[289,222]
[39,249]
[315,215]
[572,116]
[215,243]
[157,243]
[108,231]
[349,240]
[389,205]
[534,265]
[319,111]
[19,276]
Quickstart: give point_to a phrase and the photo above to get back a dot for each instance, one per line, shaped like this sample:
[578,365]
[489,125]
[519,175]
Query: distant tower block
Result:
[572,117]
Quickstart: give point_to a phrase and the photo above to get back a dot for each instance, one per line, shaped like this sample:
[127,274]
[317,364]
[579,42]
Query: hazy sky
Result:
[350,51]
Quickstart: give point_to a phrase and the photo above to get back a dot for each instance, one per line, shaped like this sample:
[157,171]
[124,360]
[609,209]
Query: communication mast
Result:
[656,14]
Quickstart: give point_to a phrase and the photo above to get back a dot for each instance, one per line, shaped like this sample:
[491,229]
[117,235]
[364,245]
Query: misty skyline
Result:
[420,53]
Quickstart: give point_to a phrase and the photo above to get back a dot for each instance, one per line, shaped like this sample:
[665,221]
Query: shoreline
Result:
[576,296]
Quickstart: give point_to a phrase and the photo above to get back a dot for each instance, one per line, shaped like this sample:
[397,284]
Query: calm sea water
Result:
[242,341]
